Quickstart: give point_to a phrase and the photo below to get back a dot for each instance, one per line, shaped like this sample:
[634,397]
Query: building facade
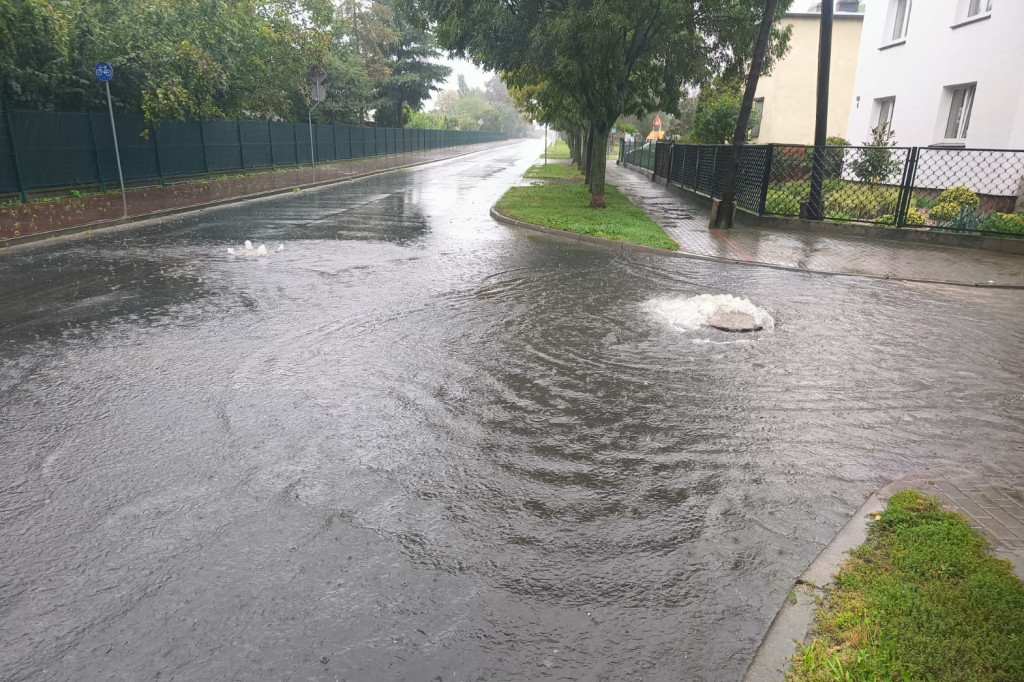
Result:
[941,73]
[787,98]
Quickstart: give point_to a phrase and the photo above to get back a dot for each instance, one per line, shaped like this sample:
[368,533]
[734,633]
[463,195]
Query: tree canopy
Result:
[176,59]
[584,63]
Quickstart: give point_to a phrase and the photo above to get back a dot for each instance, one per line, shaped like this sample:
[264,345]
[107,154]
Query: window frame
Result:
[965,110]
[755,131]
[896,30]
[880,104]
[986,4]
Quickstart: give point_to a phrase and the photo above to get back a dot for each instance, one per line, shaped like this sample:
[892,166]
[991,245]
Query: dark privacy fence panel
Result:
[41,149]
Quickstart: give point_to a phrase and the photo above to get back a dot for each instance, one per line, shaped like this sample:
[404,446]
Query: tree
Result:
[350,93]
[172,59]
[412,76]
[609,57]
[716,113]
[875,161]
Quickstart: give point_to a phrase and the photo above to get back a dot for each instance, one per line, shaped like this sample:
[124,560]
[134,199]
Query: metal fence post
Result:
[334,134]
[270,143]
[766,175]
[95,153]
[202,141]
[906,188]
[241,149]
[295,141]
[14,156]
[714,169]
[156,152]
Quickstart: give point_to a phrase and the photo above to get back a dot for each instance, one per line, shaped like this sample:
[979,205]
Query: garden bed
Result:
[565,207]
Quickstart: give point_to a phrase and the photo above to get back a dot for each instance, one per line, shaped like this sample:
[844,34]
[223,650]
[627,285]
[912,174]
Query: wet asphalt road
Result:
[417,445]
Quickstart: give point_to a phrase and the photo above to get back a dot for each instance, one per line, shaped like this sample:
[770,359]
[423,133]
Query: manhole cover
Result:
[734,322]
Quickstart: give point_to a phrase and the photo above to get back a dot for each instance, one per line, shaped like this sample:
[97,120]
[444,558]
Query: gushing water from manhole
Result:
[722,311]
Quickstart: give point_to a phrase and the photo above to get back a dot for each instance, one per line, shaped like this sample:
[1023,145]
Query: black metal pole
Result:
[722,217]
[816,206]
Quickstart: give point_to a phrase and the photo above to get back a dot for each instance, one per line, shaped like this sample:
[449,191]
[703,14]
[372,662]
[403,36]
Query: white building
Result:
[947,75]
[942,73]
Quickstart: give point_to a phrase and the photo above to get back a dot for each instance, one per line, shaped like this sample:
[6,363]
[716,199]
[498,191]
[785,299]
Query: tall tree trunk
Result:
[572,139]
[589,153]
[598,164]
[724,216]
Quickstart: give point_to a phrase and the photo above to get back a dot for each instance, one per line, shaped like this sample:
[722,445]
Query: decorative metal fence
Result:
[963,190]
[50,149]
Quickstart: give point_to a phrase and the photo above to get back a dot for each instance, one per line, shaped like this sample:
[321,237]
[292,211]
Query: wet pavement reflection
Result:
[417,445]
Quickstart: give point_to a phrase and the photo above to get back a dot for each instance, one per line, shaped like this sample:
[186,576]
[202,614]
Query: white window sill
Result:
[972,20]
[894,43]
[949,144]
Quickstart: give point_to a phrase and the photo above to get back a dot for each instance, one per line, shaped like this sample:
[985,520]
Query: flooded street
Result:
[418,445]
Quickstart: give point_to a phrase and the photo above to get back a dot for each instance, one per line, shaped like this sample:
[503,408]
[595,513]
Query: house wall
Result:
[935,54]
[790,92]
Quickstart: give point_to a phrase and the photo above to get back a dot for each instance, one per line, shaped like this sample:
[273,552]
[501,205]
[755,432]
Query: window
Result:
[961,102]
[976,7]
[757,114]
[885,108]
[899,20]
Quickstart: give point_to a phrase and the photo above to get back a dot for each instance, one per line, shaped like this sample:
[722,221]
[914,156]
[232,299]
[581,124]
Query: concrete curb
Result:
[137,220]
[790,625]
[793,620]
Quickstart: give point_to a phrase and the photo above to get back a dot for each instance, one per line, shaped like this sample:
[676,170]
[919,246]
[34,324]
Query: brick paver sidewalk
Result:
[686,221]
[996,508]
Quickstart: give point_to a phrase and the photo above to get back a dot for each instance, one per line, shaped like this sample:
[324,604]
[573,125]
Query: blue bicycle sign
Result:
[104,71]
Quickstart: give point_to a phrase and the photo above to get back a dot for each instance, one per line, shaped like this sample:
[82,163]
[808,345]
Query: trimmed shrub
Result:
[781,203]
[944,212]
[914,217]
[959,196]
[861,202]
[1005,223]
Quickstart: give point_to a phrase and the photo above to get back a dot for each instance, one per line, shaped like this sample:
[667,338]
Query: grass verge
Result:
[557,150]
[554,171]
[565,207]
[921,600]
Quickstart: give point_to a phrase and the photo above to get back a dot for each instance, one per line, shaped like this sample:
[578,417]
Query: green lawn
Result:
[920,600]
[565,207]
[554,171]
[557,150]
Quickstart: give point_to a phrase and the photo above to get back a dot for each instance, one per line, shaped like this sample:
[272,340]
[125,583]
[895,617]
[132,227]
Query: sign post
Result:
[104,72]
[318,93]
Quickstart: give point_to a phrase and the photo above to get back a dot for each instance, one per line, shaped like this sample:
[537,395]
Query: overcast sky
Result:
[475,77]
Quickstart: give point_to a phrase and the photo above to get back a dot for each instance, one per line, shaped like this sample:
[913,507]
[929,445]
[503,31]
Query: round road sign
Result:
[104,71]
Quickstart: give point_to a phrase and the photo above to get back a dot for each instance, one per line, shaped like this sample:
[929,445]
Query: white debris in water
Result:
[694,312]
[250,250]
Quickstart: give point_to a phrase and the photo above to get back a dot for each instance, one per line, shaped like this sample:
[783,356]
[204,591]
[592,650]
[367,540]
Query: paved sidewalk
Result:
[686,221]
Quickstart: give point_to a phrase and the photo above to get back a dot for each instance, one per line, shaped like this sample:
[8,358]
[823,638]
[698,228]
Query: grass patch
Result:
[554,171]
[565,207]
[921,600]
[557,150]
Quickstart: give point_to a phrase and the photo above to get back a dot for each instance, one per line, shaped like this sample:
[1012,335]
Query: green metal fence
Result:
[49,149]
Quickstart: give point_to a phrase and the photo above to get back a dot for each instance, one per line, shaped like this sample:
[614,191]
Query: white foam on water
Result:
[694,312]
